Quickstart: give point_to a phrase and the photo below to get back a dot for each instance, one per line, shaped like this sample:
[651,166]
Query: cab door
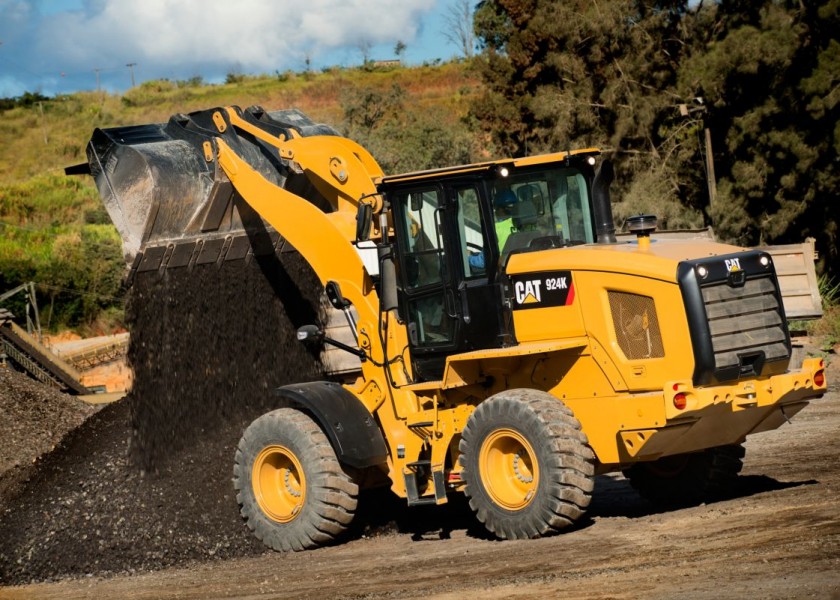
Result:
[446,298]
[481,308]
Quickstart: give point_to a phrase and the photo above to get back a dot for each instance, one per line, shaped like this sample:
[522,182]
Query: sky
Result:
[57,46]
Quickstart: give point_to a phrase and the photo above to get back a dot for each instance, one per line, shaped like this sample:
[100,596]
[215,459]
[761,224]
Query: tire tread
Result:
[331,494]
[568,466]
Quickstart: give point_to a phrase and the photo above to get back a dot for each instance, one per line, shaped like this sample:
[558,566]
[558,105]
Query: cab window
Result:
[422,238]
[471,233]
[423,268]
[542,209]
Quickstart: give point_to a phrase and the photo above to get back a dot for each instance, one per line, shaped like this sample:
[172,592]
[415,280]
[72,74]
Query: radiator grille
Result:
[744,321]
[636,325]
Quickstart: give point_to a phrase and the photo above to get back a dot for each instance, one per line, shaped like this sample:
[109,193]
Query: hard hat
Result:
[505,199]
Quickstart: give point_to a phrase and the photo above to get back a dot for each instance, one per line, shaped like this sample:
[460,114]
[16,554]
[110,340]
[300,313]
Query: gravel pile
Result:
[33,418]
[146,483]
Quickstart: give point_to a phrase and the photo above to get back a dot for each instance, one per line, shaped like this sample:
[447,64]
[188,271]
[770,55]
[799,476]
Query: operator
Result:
[503,204]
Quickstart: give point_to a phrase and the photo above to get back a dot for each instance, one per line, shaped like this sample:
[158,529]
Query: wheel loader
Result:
[508,347]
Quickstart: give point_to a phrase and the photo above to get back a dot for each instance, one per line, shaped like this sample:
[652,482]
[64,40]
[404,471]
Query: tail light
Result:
[819,378]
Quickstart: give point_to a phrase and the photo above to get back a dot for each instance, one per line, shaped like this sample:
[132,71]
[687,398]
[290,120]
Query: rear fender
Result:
[351,429]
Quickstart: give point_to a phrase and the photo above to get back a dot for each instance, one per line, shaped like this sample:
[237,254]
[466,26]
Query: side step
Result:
[412,489]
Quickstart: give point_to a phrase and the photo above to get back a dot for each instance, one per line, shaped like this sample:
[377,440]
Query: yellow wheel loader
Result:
[507,346]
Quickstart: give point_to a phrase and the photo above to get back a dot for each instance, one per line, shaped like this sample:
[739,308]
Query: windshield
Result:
[542,209]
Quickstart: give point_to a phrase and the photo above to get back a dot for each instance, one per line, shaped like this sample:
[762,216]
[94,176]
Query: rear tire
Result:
[291,489]
[688,479]
[527,466]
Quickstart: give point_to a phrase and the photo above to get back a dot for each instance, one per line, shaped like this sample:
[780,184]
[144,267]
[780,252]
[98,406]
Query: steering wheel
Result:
[548,241]
[478,249]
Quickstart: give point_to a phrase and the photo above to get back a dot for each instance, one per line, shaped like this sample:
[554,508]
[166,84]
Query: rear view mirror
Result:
[310,334]
[416,202]
[364,215]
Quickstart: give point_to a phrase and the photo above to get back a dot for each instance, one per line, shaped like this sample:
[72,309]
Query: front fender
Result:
[351,429]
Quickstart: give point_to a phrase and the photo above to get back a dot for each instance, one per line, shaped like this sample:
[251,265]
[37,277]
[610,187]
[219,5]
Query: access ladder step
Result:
[422,424]
[412,490]
[422,501]
[419,463]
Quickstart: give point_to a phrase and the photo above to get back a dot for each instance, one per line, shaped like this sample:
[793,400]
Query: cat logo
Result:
[527,292]
[732,264]
[540,290]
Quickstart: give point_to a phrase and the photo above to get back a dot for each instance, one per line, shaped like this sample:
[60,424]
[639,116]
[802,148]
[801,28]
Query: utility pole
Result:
[131,70]
[710,169]
[711,183]
[97,78]
[43,123]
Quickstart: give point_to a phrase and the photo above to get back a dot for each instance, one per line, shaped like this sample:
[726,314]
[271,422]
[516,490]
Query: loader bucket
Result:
[170,201]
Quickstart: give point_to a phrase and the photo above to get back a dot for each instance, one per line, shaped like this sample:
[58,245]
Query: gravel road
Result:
[777,536]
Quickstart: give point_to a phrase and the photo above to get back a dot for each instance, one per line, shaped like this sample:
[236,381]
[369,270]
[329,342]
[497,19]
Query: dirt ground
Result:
[777,536]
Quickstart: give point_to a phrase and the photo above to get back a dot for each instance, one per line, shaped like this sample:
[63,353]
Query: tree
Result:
[364,46]
[401,135]
[577,69]
[399,49]
[770,72]
[581,73]
[364,108]
[88,266]
[612,74]
[459,27]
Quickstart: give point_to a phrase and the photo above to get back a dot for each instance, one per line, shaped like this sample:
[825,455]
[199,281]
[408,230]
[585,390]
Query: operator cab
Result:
[455,229]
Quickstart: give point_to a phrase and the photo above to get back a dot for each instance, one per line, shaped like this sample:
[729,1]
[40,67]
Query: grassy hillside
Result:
[45,138]
[53,229]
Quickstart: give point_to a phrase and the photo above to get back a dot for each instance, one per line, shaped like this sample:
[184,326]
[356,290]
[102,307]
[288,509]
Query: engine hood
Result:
[658,260]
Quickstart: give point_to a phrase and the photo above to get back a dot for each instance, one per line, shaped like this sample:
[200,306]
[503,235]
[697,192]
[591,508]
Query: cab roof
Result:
[487,166]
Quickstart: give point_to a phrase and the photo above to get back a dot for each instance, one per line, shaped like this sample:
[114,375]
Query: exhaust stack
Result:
[604,225]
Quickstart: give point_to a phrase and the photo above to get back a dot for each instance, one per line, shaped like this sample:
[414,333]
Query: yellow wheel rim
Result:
[509,470]
[279,483]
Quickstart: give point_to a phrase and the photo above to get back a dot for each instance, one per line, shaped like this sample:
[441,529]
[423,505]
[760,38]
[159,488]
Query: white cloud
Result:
[54,45]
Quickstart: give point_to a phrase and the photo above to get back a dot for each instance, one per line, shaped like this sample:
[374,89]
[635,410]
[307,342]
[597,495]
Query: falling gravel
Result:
[146,482]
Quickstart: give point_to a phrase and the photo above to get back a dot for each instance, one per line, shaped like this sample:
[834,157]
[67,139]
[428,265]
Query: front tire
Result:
[687,479]
[527,466]
[291,489]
